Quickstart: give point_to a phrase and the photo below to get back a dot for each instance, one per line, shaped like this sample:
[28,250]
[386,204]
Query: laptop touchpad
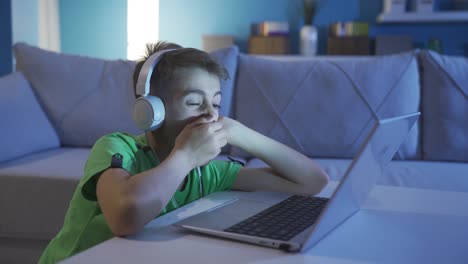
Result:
[226,216]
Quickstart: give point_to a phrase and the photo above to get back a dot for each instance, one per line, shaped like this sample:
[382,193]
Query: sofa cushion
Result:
[25,127]
[40,186]
[444,176]
[228,58]
[326,107]
[445,107]
[85,98]
[35,191]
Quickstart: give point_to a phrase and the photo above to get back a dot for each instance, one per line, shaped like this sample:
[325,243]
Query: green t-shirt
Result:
[84,225]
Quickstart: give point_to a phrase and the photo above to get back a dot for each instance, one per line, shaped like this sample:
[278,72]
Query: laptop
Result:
[295,223]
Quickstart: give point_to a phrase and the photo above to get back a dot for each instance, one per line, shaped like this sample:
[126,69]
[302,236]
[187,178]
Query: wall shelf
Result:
[434,17]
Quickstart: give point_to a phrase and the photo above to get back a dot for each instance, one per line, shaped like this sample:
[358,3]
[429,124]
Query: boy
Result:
[129,180]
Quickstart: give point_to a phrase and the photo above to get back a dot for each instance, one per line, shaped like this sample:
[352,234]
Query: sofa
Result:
[55,106]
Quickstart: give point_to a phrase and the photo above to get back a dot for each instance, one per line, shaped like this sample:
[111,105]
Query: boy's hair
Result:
[170,61]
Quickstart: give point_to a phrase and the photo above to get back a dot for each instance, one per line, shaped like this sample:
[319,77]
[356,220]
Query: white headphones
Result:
[148,111]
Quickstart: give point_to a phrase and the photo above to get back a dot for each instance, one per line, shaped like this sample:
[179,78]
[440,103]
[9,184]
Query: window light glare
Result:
[142,26]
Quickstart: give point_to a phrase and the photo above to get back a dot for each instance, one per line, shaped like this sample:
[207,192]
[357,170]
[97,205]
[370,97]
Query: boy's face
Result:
[193,93]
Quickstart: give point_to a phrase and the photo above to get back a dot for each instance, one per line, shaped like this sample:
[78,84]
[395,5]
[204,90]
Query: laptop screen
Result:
[374,154]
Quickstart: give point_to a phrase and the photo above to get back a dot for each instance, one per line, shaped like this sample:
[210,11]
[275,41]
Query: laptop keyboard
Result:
[284,220]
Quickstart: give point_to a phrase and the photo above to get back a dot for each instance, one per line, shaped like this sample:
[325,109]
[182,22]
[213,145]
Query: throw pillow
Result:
[25,127]
[325,107]
[84,97]
[445,107]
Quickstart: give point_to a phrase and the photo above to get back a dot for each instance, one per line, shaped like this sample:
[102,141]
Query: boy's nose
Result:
[210,114]
[210,117]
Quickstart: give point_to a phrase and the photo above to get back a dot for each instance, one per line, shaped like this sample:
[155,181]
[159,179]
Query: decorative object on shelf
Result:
[309,34]
[421,6]
[309,40]
[394,6]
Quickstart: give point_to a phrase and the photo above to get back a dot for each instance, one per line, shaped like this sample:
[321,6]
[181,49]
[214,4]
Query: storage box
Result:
[214,42]
[391,44]
[358,45]
[268,45]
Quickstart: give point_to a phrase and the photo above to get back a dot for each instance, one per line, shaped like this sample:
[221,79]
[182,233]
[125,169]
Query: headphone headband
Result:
[144,77]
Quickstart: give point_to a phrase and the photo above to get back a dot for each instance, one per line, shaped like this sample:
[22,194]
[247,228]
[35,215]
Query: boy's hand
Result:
[201,141]
[233,130]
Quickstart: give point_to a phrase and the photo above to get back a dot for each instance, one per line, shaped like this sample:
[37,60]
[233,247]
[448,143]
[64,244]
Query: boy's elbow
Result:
[123,230]
[124,222]
[122,227]
[131,217]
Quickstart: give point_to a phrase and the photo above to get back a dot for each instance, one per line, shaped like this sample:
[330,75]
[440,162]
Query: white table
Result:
[396,225]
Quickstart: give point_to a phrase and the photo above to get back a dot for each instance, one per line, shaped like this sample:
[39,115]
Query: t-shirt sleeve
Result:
[223,175]
[110,151]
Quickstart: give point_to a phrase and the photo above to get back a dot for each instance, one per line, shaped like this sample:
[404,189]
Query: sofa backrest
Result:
[321,106]
[325,107]
[86,98]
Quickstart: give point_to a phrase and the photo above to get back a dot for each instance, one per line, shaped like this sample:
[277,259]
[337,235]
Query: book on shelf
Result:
[270,28]
[349,29]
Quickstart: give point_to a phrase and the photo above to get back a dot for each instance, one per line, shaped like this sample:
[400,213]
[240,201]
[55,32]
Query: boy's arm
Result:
[289,171]
[129,202]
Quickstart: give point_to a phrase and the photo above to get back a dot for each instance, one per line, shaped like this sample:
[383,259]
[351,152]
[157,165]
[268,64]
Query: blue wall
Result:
[98,28]
[95,28]
[5,40]
[184,21]
[331,11]
[25,17]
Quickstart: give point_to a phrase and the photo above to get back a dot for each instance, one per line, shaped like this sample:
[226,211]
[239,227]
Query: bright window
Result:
[142,26]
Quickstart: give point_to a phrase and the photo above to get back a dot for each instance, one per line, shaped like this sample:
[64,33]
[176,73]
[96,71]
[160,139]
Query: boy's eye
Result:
[217,106]
[193,103]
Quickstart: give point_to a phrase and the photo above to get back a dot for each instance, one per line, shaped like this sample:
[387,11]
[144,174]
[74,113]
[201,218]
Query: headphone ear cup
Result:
[148,112]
